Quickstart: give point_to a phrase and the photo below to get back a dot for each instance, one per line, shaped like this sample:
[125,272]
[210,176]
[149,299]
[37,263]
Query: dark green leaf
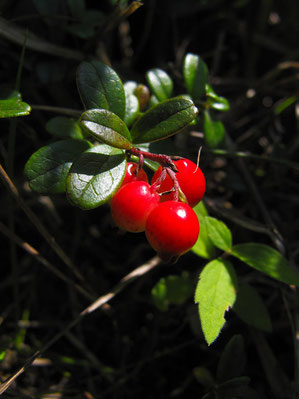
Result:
[233,359]
[216,102]
[215,293]
[219,233]
[203,376]
[172,290]
[48,167]
[132,109]
[195,73]
[13,107]
[250,308]
[204,246]
[214,131]
[96,176]
[163,120]
[160,83]
[100,87]
[107,127]
[61,126]
[266,260]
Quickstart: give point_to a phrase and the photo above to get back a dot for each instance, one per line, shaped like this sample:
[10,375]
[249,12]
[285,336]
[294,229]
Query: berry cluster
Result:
[163,209]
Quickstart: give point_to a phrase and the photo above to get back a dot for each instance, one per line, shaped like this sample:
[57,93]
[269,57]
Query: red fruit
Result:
[190,178]
[172,229]
[131,174]
[132,204]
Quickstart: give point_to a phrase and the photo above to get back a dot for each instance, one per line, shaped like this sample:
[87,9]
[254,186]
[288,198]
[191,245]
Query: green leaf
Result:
[13,107]
[100,87]
[266,260]
[216,102]
[172,290]
[95,176]
[195,73]
[130,86]
[204,246]
[215,293]
[160,83]
[89,21]
[106,127]
[132,109]
[219,233]
[48,167]
[63,127]
[163,120]
[233,359]
[214,131]
[250,308]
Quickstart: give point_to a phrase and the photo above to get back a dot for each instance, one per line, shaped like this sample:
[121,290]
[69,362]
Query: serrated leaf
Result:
[195,73]
[13,107]
[100,87]
[95,176]
[204,246]
[233,359]
[106,127]
[160,83]
[48,167]
[219,233]
[214,131]
[250,308]
[63,127]
[266,260]
[216,102]
[163,120]
[132,109]
[215,294]
[172,289]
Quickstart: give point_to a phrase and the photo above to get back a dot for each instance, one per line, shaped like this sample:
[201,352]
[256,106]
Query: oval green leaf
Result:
[100,87]
[214,131]
[96,176]
[215,294]
[13,107]
[219,233]
[204,246]
[216,102]
[132,109]
[63,127]
[48,167]
[195,73]
[266,260]
[250,308]
[107,127]
[160,83]
[163,120]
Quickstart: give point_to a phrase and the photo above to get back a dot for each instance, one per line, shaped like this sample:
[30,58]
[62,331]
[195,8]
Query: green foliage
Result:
[63,127]
[195,73]
[204,246]
[12,106]
[218,233]
[160,83]
[214,130]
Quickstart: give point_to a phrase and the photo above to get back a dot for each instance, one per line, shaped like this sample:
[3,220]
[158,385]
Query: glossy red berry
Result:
[132,175]
[190,178]
[131,205]
[172,229]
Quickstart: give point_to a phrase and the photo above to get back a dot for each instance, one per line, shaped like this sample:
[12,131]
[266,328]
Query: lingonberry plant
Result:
[91,164]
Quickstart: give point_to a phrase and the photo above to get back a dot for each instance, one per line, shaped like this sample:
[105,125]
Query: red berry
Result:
[190,178]
[172,229]
[131,205]
[131,174]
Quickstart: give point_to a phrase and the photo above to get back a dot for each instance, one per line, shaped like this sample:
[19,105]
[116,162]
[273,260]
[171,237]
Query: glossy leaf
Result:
[100,87]
[132,109]
[106,127]
[160,83]
[215,294]
[13,107]
[195,73]
[266,260]
[204,246]
[219,233]
[96,176]
[216,102]
[172,289]
[214,131]
[63,127]
[48,167]
[130,86]
[250,308]
[163,120]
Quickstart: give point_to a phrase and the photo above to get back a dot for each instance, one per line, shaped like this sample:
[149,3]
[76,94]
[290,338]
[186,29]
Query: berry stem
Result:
[162,159]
